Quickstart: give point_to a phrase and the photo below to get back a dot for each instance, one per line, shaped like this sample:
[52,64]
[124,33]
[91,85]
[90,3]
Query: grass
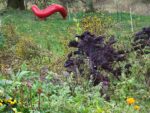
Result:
[55,29]
[26,25]
[54,33]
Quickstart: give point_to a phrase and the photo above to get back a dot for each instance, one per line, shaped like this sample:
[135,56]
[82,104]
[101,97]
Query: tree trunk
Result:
[12,3]
[21,5]
[90,5]
[16,4]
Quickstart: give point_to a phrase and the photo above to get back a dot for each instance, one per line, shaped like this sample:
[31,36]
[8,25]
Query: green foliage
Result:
[58,95]
[146,1]
[2,1]
[96,25]
[78,29]
[45,3]
[90,5]
[26,48]
[11,37]
[2,41]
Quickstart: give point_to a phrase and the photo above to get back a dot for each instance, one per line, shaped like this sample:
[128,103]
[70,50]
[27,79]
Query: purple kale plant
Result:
[142,41]
[98,54]
[99,60]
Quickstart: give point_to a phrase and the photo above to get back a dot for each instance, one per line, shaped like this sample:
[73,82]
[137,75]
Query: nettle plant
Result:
[95,59]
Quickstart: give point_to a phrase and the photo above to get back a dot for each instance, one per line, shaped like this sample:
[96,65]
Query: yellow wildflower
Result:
[8,100]
[13,102]
[1,104]
[136,107]
[130,101]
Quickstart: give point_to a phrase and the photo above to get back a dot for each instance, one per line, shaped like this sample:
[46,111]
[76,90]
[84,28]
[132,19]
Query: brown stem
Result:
[21,96]
[39,102]
[31,98]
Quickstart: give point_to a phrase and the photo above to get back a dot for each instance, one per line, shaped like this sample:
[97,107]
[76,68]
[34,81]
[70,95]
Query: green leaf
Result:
[24,67]
[4,82]
[21,74]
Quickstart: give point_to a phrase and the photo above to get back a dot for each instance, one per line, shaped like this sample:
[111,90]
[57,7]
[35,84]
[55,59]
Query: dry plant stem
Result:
[78,74]
[21,96]
[31,98]
[49,100]
[15,92]
[39,102]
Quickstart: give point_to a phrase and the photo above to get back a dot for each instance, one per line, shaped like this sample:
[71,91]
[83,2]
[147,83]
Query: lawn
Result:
[55,29]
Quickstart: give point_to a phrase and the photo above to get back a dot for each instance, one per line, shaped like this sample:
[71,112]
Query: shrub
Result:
[26,48]
[96,25]
[95,59]
[99,53]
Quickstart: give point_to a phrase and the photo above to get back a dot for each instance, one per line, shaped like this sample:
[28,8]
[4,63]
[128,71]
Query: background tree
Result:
[88,3]
[65,2]
[146,1]
[15,4]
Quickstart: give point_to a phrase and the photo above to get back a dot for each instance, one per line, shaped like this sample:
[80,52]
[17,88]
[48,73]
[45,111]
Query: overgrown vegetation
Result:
[33,54]
[96,25]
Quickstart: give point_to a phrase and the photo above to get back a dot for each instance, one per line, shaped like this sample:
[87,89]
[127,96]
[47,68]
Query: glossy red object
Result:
[49,11]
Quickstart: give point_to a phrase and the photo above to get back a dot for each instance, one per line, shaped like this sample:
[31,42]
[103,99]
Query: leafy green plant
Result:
[29,91]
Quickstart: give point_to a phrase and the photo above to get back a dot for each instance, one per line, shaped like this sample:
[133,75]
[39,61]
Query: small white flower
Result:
[76,39]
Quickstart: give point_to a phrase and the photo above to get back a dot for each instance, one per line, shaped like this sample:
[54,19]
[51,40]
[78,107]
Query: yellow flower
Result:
[136,107]
[8,100]
[13,102]
[1,104]
[130,101]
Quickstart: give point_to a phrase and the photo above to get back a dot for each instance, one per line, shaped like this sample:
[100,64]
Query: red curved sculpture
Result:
[49,11]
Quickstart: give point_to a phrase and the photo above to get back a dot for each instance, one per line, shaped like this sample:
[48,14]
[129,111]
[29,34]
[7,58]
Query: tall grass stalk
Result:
[132,29]
[68,11]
